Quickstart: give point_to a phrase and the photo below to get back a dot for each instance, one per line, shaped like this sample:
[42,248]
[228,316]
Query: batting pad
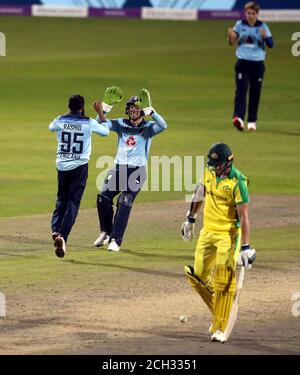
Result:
[225,283]
[197,284]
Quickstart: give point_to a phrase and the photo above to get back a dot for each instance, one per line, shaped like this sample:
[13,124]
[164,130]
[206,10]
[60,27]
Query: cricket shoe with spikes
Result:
[238,123]
[54,235]
[113,246]
[60,246]
[218,336]
[102,240]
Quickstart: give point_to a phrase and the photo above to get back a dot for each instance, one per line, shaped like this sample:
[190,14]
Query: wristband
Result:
[106,107]
[246,247]
[191,218]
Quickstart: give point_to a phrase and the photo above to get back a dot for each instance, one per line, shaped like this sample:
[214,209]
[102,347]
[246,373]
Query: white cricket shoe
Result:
[102,240]
[60,246]
[113,246]
[218,336]
[238,123]
[251,126]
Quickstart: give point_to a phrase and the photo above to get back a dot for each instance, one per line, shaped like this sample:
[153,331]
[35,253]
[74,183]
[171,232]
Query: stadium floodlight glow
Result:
[2,44]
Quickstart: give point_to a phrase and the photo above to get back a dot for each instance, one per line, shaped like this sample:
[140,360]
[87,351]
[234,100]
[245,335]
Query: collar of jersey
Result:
[231,174]
[140,125]
[257,23]
[74,114]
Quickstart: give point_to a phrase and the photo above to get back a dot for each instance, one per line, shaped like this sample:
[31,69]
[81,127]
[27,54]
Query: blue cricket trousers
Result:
[127,180]
[248,77]
[71,186]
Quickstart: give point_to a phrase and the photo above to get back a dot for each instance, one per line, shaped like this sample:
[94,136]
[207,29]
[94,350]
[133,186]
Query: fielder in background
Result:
[74,131]
[225,227]
[129,174]
[252,37]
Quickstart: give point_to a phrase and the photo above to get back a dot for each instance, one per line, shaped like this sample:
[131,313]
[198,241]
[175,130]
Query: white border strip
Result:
[59,11]
[169,14]
[280,15]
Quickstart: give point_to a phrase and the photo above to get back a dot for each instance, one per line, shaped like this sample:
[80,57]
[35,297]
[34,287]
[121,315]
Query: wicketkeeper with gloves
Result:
[225,234]
[129,174]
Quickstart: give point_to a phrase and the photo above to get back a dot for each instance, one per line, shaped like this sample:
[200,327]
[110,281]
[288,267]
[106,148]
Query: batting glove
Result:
[188,227]
[247,256]
[112,95]
[145,102]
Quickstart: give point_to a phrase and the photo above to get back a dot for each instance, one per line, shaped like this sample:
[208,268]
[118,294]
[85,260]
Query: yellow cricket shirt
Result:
[221,197]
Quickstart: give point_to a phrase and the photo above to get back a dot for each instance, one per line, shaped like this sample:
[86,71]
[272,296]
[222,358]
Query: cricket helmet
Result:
[76,102]
[132,101]
[218,154]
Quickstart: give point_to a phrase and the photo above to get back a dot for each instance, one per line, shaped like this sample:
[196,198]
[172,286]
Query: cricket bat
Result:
[235,305]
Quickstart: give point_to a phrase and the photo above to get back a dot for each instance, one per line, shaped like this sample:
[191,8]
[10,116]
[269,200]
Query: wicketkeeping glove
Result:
[145,102]
[188,228]
[112,95]
[247,256]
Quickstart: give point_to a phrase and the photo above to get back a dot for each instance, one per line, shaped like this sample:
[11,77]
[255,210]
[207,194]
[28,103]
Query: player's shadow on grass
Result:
[257,344]
[264,131]
[24,240]
[134,269]
[155,255]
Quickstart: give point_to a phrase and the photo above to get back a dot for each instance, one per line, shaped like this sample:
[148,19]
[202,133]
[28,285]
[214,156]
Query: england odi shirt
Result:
[251,45]
[221,197]
[74,133]
[134,141]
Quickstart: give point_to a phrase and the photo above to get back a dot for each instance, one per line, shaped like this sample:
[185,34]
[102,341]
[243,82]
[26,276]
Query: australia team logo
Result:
[130,141]
[226,188]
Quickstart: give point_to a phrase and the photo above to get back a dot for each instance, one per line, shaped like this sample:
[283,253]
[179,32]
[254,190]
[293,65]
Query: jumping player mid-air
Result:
[74,131]
[225,228]
[129,173]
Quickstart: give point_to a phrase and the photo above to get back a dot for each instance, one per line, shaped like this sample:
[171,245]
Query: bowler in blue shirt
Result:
[252,36]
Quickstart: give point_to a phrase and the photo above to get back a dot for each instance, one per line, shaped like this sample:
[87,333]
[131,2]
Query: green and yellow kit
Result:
[221,197]
[219,243]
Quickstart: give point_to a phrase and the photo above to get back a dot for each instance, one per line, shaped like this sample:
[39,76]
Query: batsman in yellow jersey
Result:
[225,234]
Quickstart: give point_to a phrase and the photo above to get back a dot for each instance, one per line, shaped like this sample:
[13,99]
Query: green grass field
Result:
[188,68]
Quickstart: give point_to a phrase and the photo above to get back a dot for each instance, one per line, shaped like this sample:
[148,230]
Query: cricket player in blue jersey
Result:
[74,131]
[252,37]
[129,174]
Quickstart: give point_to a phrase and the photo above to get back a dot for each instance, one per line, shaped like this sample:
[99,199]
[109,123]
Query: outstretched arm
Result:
[53,126]
[101,117]
[100,126]
[158,125]
[99,110]
[188,227]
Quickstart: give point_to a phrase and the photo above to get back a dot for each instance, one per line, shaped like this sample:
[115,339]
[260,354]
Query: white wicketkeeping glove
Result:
[188,227]
[246,257]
